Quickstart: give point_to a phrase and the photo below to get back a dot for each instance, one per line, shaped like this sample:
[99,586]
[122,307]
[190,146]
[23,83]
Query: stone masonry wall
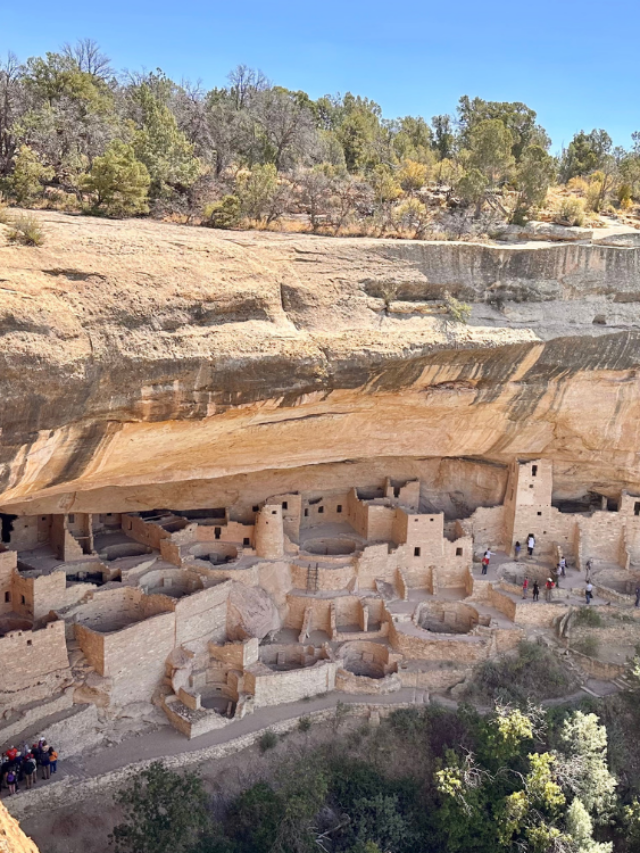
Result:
[28,656]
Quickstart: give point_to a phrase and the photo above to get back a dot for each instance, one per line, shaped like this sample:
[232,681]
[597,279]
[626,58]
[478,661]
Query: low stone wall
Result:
[350,683]
[31,716]
[539,614]
[594,668]
[433,679]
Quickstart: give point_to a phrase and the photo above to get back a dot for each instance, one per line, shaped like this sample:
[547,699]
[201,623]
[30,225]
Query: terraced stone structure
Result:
[237,470]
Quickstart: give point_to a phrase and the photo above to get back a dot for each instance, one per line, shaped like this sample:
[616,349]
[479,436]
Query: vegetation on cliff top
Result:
[78,136]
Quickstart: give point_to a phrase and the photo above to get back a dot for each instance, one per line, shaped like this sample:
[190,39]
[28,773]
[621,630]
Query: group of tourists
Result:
[20,765]
[549,586]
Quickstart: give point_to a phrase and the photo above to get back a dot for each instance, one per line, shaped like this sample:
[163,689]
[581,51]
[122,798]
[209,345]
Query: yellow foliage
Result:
[412,175]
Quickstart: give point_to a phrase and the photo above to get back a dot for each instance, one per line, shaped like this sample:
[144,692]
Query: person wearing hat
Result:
[548,589]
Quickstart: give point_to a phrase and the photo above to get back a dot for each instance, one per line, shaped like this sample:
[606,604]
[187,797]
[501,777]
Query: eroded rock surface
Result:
[12,838]
[150,365]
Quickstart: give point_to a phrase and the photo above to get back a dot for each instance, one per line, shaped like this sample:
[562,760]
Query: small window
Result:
[339,508]
[416,552]
[23,599]
[306,513]
[285,505]
[7,598]
[246,542]
[274,512]
[636,508]
[458,552]
[432,519]
[539,513]
[320,510]
[109,514]
[256,509]
[72,519]
[44,518]
[29,642]
[217,531]
[416,519]
[534,470]
[530,485]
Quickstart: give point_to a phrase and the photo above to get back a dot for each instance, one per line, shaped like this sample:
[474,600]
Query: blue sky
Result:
[575,63]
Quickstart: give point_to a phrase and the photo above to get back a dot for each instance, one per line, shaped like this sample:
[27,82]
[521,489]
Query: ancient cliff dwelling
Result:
[244,477]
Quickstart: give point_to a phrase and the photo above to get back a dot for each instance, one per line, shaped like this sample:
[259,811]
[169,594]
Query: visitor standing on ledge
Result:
[531,544]
[536,591]
[486,560]
[548,589]
[525,587]
[588,592]
[516,550]
[638,596]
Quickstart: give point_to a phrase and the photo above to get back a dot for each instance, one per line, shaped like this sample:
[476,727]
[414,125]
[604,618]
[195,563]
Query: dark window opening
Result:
[7,525]
[23,599]
[458,552]
[246,542]
[636,508]
[44,517]
[274,512]
[29,642]
[539,513]
[7,597]
[285,505]
[217,532]
[306,513]
[256,509]
[320,509]
[531,485]
[534,470]
[72,519]
[416,552]
[339,508]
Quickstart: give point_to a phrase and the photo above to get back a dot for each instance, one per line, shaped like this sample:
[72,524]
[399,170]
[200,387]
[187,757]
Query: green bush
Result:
[26,230]
[589,646]
[223,214]
[531,675]
[588,617]
[571,212]
[457,310]
[304,724]
[268,740]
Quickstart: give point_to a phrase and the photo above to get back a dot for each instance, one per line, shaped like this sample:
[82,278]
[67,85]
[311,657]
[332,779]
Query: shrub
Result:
[268,740]
[304,724]
[590,618]
[4,211]
[223,214]
[458,311]
[571,212]
[26,230]
[533,674]
[588,646]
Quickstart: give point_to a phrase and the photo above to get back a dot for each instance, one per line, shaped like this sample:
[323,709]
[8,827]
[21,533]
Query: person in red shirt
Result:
[525,587]
[12,753]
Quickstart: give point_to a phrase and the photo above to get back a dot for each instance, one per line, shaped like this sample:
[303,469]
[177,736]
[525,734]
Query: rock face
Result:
[148,365]
[12,838]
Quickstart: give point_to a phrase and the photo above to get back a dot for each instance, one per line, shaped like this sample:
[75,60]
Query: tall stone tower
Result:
[269,533]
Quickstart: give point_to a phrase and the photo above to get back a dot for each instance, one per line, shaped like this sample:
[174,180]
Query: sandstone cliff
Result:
[12,838]
[144,364]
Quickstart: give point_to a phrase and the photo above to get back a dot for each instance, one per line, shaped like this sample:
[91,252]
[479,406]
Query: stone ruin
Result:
[211,614]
